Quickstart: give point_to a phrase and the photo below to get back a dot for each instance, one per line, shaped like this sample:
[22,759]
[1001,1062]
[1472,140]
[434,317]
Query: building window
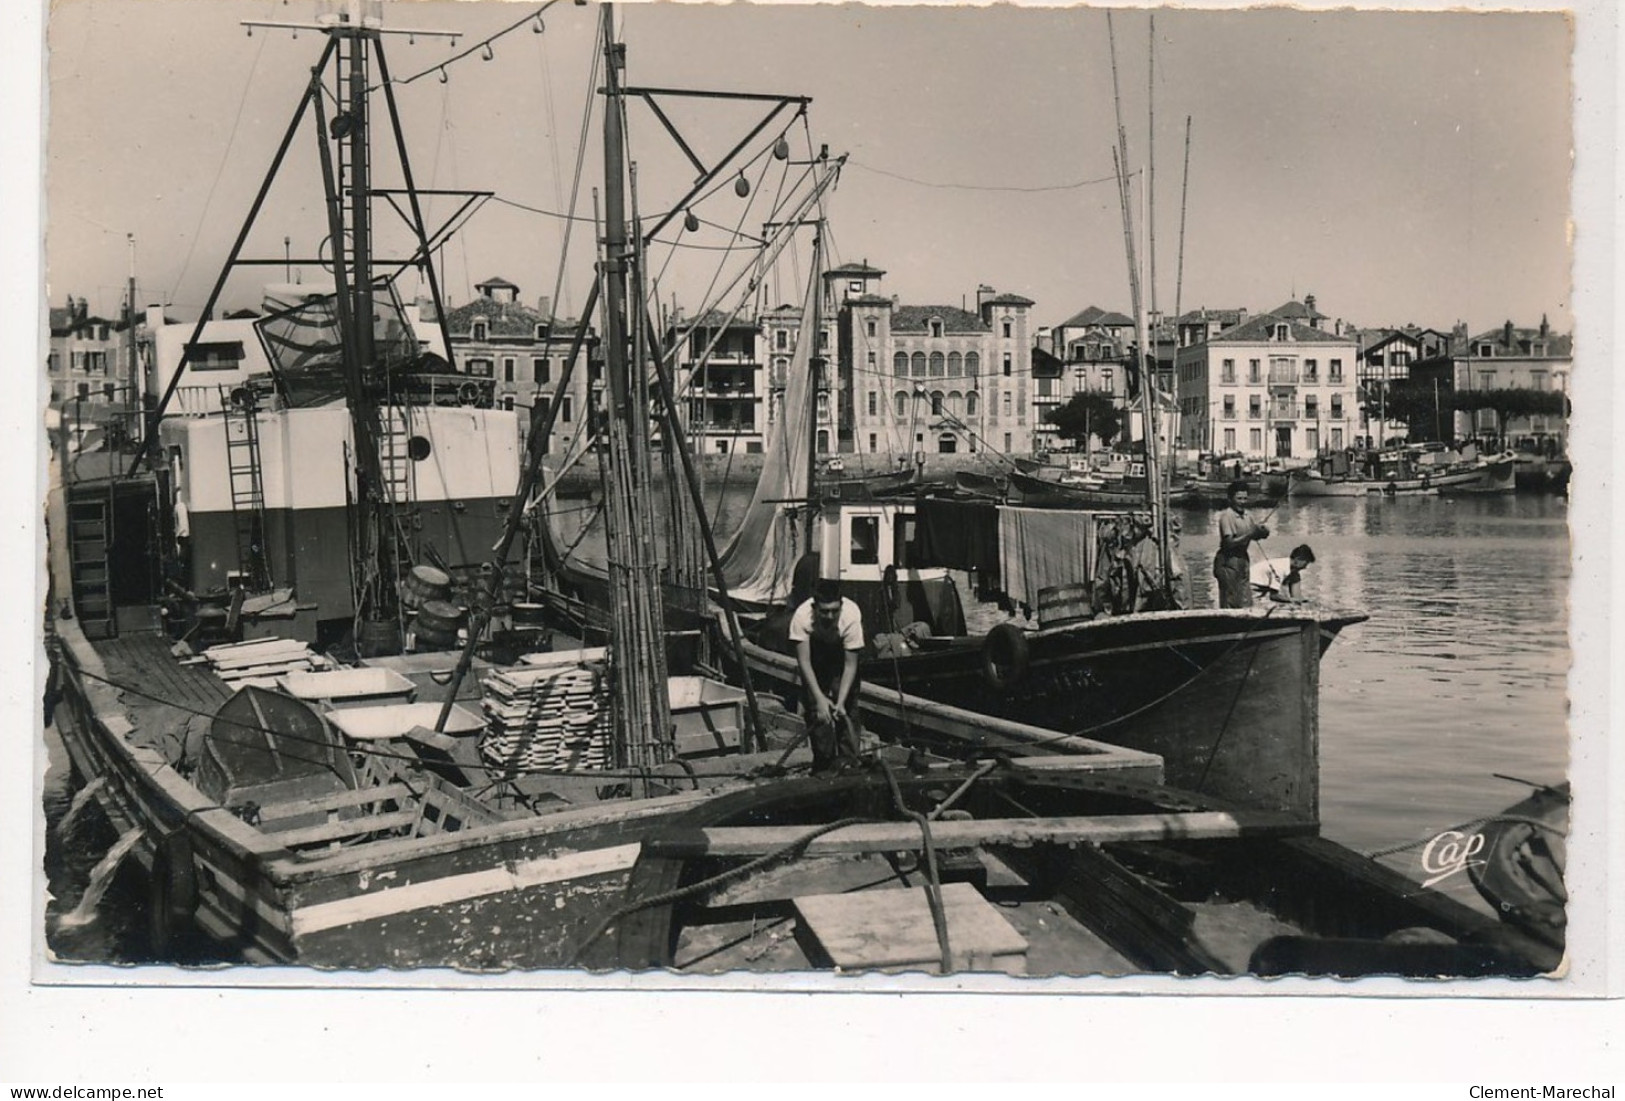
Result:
[972,404]
[96,363]
[1007,330]
[1334,370]
[1106,378]
[1004,403]
[507,369]
[479,368]
[1485,351]
[542,367]
[1255,439]
[1311,370]
[855,286]
[1230,407]
[936,403]
[567,408]
[1227,371]
[1007,443]
[1486,380]
[1537,380]
[507,403]
[1007,365]
[1282,331]
[1337,439]
[899,364]
[1253,374]
[956,365]
[1046,387]
[938,365]
[1337,407]
[781,340]
[874,404]
[479,331]
[1311,407]
[1311,439]
[1229,439]
[541,331]
[823,340]
[869,360]
[936,327]
[900,404]
[917,364]
[869,326]
[1255,407]
[973,364]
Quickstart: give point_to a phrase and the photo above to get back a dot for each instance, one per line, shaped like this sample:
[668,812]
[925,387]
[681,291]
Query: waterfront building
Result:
[523,350]
[1513,358]
[932,378]
[723,396]
[89,358]
[1086,354]
[1272,386]
[1390,357]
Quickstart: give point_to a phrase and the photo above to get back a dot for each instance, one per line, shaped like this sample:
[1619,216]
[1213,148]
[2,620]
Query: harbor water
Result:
[1459,674]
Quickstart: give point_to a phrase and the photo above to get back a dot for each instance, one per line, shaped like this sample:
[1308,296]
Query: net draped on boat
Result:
[759,559]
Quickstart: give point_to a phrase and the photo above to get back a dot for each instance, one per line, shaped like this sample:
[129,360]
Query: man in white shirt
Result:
[1281,579]
[827,632]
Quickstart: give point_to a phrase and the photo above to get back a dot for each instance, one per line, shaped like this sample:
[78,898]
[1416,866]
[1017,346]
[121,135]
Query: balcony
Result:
[1284,376]
[1285,411]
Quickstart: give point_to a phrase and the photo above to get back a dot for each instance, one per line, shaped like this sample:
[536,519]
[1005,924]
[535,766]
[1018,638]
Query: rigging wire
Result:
[481,47]
[1072,186]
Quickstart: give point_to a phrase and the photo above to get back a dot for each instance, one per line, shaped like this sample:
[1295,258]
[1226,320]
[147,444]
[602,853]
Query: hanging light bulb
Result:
[741,186]
[489,53]
[691,222]
[781,150]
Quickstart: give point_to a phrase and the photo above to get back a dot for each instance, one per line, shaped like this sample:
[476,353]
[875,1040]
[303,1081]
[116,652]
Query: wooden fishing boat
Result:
[1027,872]
[1519,869]
[1398,474]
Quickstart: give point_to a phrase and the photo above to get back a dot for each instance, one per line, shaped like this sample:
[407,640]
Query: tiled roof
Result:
[504,318]
[1009,300]
[909,319]
[1046,365]
[1094,315]
[1295,309]
[497,282]
[869,300]
[1225,318]
[1258,329]
[1558,345]
[852,269]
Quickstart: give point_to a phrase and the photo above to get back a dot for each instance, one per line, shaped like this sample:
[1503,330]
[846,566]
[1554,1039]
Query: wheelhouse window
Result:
[219,355]
[863,541]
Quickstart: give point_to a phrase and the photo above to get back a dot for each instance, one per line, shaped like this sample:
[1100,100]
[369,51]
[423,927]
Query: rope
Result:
[933,880]
[681,893]
[1515,819]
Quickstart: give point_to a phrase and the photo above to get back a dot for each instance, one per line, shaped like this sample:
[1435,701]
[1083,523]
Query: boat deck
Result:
[143,665]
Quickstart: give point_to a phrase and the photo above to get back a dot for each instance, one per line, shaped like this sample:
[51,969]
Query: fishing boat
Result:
[1407,472]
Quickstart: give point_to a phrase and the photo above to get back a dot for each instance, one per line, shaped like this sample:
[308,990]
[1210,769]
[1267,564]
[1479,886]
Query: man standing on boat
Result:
[827,632]
[1236,533]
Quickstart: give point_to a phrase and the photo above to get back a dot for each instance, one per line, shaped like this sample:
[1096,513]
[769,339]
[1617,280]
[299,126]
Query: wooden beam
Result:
[905,836]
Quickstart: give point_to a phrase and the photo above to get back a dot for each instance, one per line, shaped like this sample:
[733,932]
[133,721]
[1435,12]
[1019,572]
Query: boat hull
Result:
[1229,700]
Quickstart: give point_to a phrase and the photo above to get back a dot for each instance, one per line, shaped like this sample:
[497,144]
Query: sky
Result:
[1403,167]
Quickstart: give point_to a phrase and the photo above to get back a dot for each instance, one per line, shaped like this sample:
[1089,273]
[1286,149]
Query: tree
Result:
[1423,409]
[1088,413]
[1511,402]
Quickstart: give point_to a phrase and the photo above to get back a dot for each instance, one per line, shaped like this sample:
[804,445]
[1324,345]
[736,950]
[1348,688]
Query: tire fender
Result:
[468,393]
[1005,656]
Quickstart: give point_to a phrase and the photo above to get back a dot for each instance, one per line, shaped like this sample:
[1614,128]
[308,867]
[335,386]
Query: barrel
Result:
[379,638]
[440,616]
[423,584]
[429,638]
[1064,604]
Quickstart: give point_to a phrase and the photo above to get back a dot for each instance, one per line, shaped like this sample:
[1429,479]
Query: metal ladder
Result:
[247,487]
[395,466]
[90,546]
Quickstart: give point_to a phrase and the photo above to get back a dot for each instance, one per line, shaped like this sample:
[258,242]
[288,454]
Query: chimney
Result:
[544,306]
[1506,334]
[983,293]
[1545,327]
[1309,302]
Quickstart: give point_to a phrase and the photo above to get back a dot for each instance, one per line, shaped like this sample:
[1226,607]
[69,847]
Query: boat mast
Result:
[642,707]
[815,366]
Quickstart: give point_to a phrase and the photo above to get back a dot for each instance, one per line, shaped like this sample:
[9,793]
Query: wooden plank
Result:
[905,836]
[270,812]
[894,928]
[348,827]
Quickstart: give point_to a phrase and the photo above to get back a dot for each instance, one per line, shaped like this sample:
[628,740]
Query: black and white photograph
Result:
[936,495]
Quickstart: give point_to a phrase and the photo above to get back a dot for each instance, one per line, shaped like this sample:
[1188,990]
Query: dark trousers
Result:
[838,738]
[1235,582]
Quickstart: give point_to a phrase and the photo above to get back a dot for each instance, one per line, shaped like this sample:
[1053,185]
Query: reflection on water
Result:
[1459,674]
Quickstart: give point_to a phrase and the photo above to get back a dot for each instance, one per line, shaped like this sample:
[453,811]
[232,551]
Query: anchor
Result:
[100,876]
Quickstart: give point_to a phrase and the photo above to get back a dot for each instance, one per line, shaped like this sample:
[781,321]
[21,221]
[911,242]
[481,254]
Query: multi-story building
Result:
[1085,354]
[1512,358]
[723,395]
[930,378]
[523,351]
[1387,357]
[90,358]
[1269,387]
